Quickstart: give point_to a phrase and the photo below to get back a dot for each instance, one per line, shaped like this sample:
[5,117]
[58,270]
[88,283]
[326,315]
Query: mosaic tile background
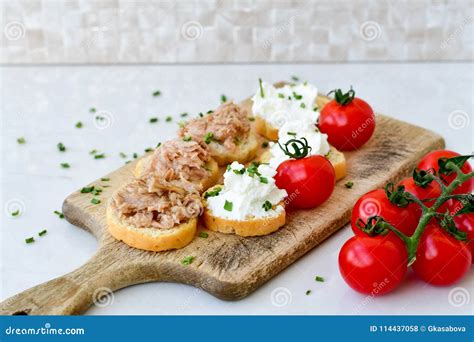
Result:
[125,31]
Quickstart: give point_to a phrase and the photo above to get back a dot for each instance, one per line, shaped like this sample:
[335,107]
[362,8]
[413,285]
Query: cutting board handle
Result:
[71,294]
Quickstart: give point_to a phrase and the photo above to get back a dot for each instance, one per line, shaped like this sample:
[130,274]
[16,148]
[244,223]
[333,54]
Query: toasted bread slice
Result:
[150,239]
[211,166]
[265,129]
[245,151]
[335,156]
[250,227]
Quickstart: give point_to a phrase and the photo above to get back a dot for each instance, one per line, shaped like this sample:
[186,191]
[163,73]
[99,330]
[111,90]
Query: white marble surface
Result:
[44,103]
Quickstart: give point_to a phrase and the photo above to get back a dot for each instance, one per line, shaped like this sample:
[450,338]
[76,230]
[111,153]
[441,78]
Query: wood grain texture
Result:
[228,266]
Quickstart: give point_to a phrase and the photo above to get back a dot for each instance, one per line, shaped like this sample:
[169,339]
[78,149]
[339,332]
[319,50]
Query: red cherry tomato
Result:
[431,161]
[440,258]
[348,121]
[308,181]
[464,222]
[373,265]
[376,203]
[432,190]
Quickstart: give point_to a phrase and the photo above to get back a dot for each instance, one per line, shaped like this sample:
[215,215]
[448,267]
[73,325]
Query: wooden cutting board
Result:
[228,266]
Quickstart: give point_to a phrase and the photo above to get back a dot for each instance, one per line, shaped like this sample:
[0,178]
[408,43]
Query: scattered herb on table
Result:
[92,110]
[21,140]
[65,165]
[60,214]
[43,232]
[320,279]
[123,155]
[169,119]
[153,120]
[187,260]
[308,292]
[105,179]
[156,93]
[87,189]
[135,155]
[295,78]
[148,149]
[99,156]
[158,145]
[183,115]
[61,147]
[93,152]
[79,124]
[349,184]
[30,240]
[223,98]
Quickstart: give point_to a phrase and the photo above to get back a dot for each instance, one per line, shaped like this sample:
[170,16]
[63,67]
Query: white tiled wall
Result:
[125,31]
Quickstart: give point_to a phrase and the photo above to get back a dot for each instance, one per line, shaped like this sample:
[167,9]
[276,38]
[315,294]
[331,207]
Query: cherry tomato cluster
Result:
[426,222]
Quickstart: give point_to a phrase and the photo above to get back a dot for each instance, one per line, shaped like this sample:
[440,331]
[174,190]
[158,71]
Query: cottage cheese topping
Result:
[247,193]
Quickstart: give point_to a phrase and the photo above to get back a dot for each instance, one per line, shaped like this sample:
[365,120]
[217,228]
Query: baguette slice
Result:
[150,239]
[212,166]
[250,227]
[244,152]
[335,156]
[265,129]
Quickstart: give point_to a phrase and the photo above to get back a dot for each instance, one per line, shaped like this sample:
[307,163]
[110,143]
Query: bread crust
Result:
[265,129]
[244,152]
[253,227]
[142,238]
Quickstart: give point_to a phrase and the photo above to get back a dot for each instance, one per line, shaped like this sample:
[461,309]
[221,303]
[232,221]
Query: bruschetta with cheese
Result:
[247,204]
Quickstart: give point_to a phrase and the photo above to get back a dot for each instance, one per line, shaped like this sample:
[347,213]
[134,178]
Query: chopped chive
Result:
[99,156]
[16,212]
[267,205]
[223,98]
[281,96]
[158,145]
[65,165]
[95,201]
[228,205]
[187,138]
[262,94]
[106,186]
[302,105]
[291,133]
[135,155]
[187,260]
[30,240]
[318,278]
[203,235]
[212,193]
[183,115]
[264,180]
[251,118]
[156,93]
[92,152]
[61,147]
[153,120]
[60,214]
[169,119]
[105,179]
[210,111]
[96,192]
[128,162]
[148,149]
[208,137]
[201,114]
[315,109]
[349,185]
[43,232]
[87,189]
[79,124]
[295,78]
[21,140]
[265,144]
[92,110]
[123,155]
[308,292]
[182,123]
